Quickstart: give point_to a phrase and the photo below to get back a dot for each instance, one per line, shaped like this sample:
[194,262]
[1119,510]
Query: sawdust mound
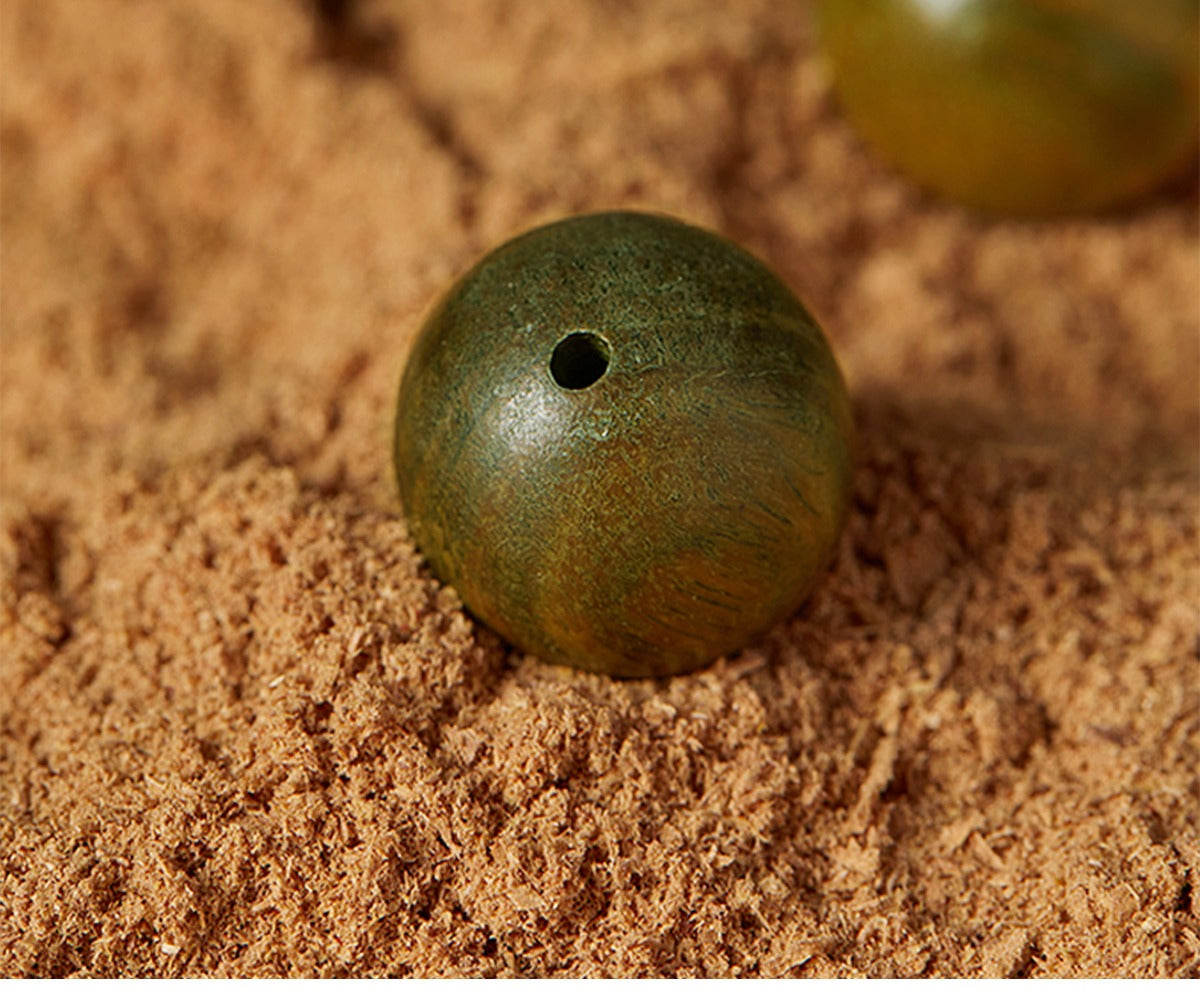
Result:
[245,732]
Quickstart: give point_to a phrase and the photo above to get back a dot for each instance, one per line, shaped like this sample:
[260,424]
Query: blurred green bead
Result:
[1027,107]
[625,443]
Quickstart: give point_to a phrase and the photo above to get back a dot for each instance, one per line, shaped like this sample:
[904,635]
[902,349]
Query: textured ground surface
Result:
[245,733]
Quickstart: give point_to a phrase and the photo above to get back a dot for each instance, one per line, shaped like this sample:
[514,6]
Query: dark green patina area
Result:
[625,443]
[1028,107]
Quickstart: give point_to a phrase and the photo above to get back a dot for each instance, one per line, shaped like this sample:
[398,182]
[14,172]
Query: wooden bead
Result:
[625,443]
[1028,107]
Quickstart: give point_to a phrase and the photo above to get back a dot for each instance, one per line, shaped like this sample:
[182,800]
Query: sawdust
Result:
[245,733]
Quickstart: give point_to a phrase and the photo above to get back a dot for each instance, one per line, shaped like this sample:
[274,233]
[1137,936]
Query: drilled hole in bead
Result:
[579,360]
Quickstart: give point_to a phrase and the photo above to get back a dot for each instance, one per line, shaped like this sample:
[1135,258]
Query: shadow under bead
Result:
[625,443]
[1022,107]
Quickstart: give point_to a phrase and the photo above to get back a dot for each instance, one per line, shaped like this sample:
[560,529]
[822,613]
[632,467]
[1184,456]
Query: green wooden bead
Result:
[625,443]
[1026,107]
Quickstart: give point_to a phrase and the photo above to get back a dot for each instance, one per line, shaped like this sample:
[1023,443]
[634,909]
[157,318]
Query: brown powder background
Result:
[245,732]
